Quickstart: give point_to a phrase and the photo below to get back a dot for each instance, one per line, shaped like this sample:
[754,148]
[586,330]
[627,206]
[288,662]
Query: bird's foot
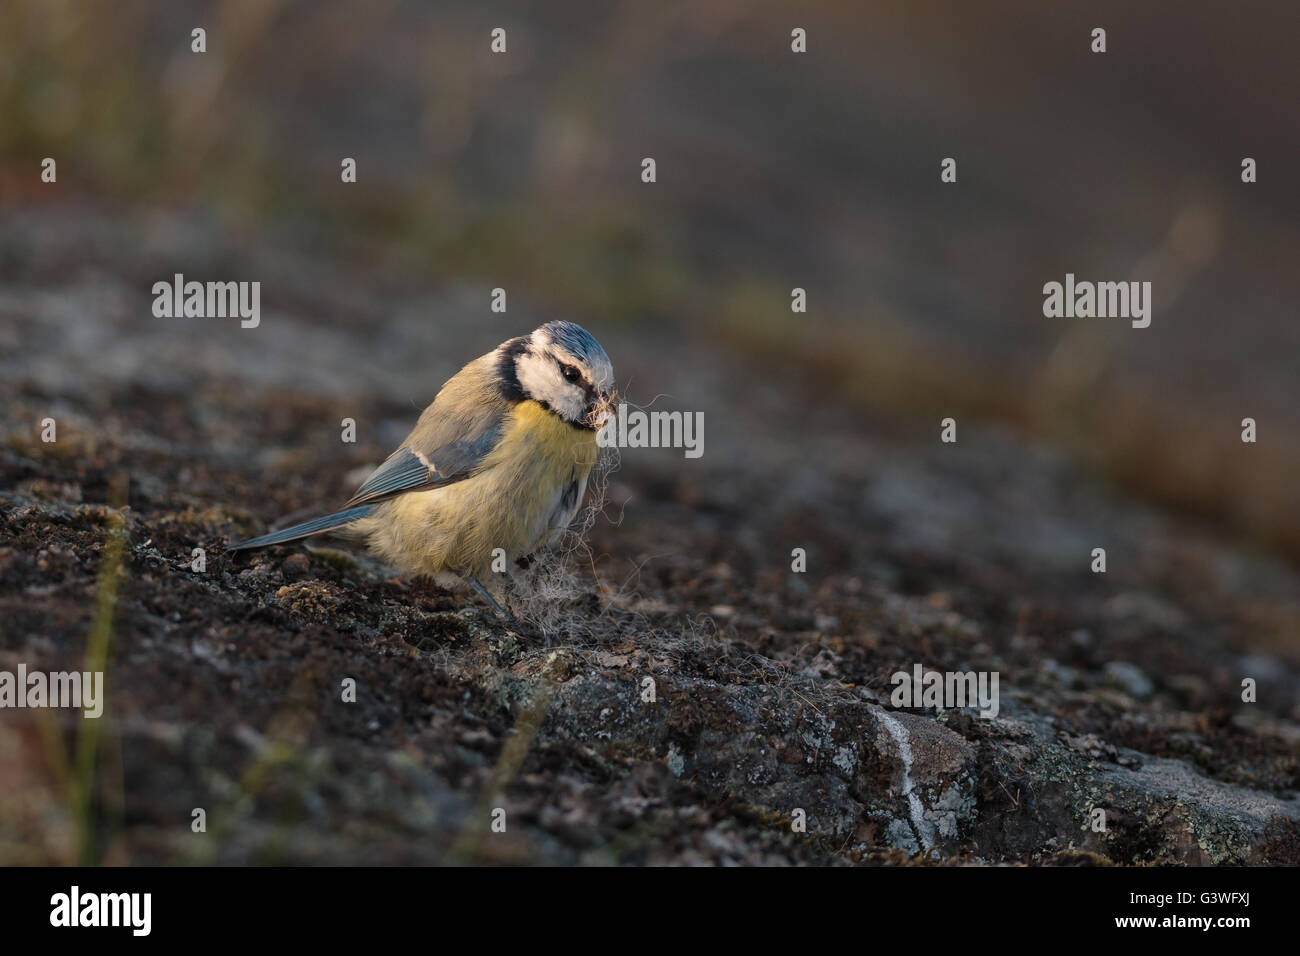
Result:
[486,595]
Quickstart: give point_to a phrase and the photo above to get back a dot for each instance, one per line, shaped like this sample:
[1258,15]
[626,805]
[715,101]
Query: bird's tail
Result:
[306,529]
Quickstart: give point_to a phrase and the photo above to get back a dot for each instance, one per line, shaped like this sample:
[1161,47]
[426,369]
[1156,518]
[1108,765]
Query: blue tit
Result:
[500,459]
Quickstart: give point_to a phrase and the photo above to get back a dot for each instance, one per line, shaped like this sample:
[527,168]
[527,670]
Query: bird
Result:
[498,460]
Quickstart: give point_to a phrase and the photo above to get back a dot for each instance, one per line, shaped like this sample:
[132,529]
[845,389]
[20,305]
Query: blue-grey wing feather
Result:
[410,469]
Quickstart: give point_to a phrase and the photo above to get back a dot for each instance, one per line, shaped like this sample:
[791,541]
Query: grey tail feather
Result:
[307,528]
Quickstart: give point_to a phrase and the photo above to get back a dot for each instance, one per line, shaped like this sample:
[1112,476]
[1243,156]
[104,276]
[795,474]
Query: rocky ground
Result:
[674,693]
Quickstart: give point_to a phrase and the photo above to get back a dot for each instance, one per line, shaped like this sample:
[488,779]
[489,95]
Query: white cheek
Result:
[540,379]
[534,377]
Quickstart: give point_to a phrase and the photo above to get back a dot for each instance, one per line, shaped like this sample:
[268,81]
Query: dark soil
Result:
[1119,691]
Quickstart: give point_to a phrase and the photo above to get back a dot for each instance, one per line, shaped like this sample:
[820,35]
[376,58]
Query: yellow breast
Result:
[508,503]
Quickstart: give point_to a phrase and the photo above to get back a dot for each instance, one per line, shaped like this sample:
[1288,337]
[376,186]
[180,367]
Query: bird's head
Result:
[562,368]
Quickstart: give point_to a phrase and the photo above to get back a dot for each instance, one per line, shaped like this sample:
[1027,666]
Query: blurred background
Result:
[522,171]
[775,170]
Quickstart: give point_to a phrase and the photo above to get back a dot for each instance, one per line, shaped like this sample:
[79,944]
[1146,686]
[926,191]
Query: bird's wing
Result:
[455,433]
[412,469]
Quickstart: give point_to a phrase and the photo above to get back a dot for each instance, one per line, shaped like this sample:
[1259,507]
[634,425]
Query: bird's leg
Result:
[486,595]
